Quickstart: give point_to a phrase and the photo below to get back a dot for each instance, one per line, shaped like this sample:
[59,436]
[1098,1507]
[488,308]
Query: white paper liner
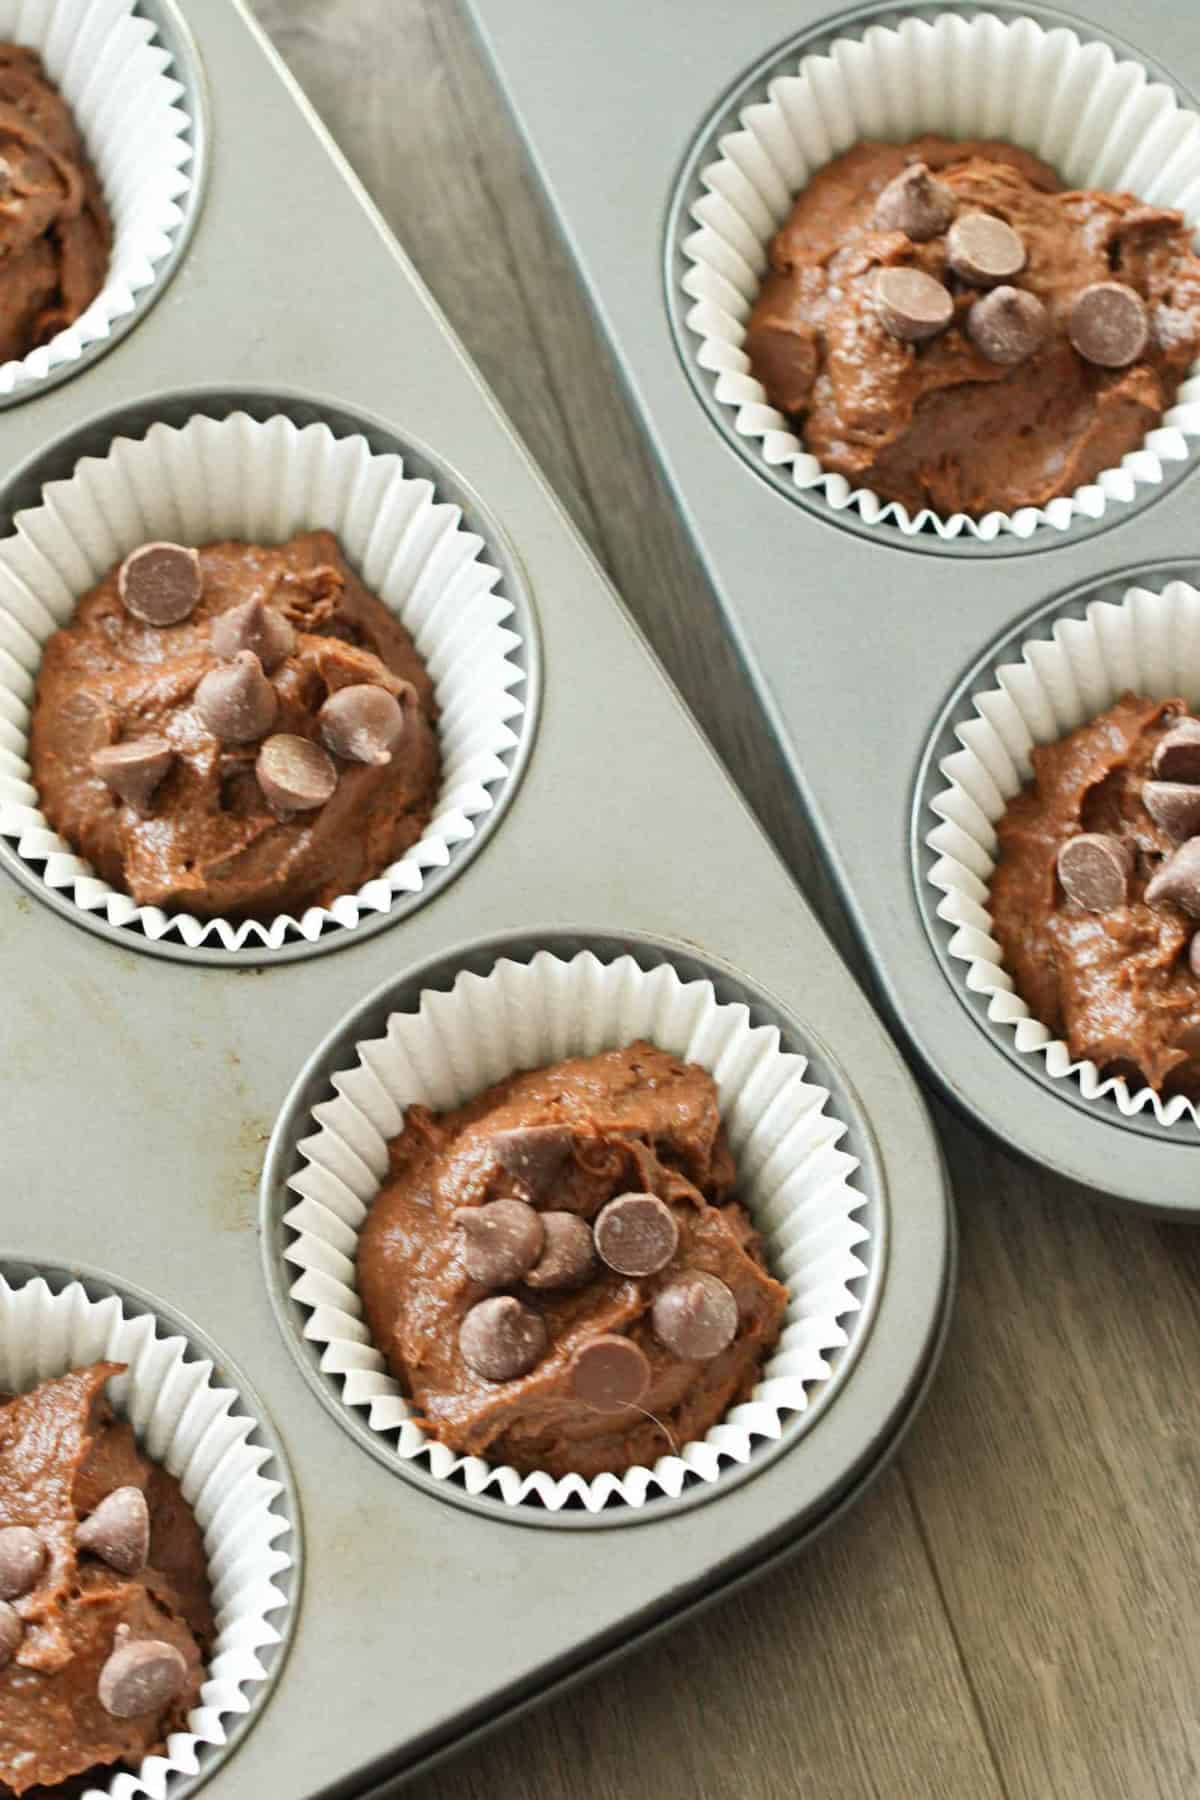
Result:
[104,59]
[1100,122]
[185,1422]
[1148,643]
[264,482]
[792,1177]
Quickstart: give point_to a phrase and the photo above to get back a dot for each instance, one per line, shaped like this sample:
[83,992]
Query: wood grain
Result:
[1014,1609]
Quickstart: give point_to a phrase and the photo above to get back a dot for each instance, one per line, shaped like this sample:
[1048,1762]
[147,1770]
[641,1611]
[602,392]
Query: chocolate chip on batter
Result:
[253,626]
[609,1373]
[914,203]
[983,249]
[22,1559]
[1109,324]
[534,1155]
[636,1234]
[502,1338]
[568,1257]
[1179,879]
[134,770]
[362,723]
[1175,805]
[1177,755]
[1007,325]
[503,1240]
[696,1316]
[141,1676]
[295,774]
[160,583]
[1094,870]
[912,305]
[11,1632]
[236,701]
[118,1531]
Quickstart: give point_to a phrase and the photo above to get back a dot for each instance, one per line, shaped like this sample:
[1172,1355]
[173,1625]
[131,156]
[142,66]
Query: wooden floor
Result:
[1015,1609]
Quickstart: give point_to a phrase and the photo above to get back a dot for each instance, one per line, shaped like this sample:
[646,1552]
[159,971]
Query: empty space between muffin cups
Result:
[1147,644]
[202,1432]
[1097,120]
[136,121]
[792,1177]
[263,482]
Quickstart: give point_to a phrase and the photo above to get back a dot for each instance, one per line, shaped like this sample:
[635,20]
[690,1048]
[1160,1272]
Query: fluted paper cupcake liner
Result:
[1148,643]
[196,1429]
[1100,121]
[264,482]
[792,1177]
[104,57]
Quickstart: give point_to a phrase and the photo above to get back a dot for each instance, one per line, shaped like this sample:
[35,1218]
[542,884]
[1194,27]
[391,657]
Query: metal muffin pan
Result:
[854,637]
[141,1091]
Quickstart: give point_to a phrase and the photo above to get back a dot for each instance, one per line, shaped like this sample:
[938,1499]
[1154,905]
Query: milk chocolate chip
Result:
[1177,756]
[1175,805]
[983,249]
[912,305]
[609,1373]
[534,1155]
[1179,879]
[636,1234]
[160,583]
[914,203]
[237,702]
[568,1256]
[1109,324]
[1094,870]
[22,1559]
[1007,325]
[695,1317]
[295,774]
[501,1338]
[11,1632]
[134,770]
[362,723]
[118,1532]
[503,1240]
[141,1676]
[253,626]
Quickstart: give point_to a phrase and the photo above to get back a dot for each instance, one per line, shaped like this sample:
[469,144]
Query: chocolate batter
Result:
[61,1453]
[55,232]
[209,841]
[1116,984]
[633,1121]
[936,423]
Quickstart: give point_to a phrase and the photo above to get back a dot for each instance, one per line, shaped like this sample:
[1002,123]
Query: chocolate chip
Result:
[609,1373]
[568,1256]
[533,1154]
[141,1676]
[11,1632]
[501,1338]
[22,1559]
[1194,956]
[160,583]
[983,249]
[1175,805]
[1109,324]
[118,1531]
[636,1234]
[1094,870]
[237,702]
[695,1317]
[295,774]
[253,626]
[914,203]
[1007,325]
[1179,879]
[503,1240]
[912,305]
[362,723]
[1177,755]
[85,722]
[134,770]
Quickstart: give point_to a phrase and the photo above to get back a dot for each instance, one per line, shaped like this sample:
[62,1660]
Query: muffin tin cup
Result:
[193,1415]
[129,73]
[1095,117]
[822,1234]
[263,479]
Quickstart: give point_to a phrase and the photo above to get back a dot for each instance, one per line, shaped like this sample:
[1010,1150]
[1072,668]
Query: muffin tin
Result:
[143,1089]
[857,638]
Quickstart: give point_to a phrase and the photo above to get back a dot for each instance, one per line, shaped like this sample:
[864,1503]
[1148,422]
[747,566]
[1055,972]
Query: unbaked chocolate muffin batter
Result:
[105,1616]
[572,1232]
[55,232]
[244,731]
[1096,896]
[967,366]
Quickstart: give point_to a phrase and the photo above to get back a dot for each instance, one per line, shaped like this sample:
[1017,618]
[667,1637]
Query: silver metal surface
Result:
[851,635]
